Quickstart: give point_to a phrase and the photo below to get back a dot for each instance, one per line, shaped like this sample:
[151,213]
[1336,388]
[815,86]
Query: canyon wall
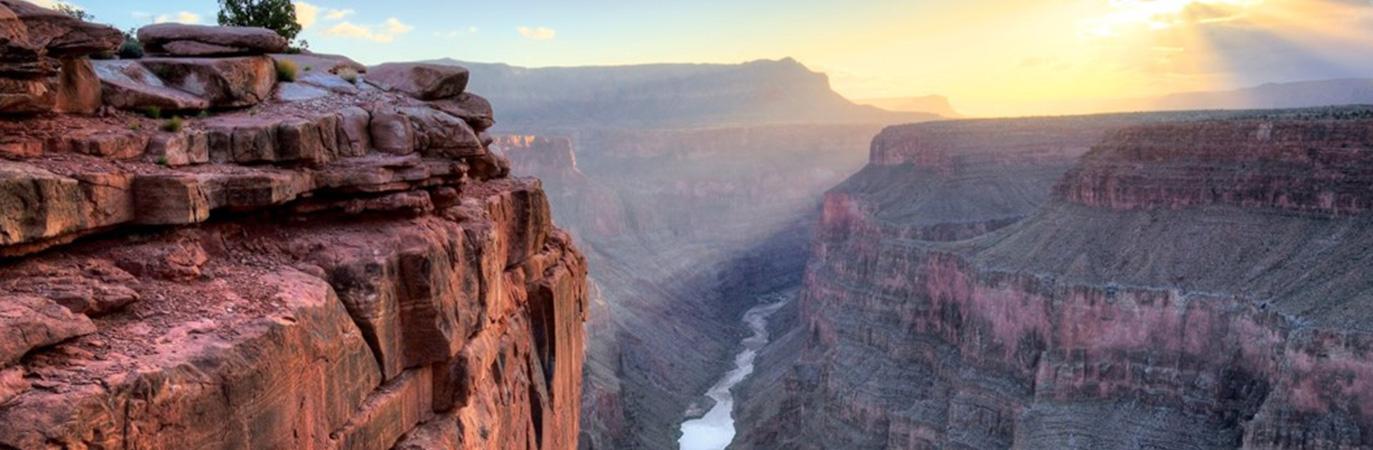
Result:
[327,263]
[683,229]
[1195,281]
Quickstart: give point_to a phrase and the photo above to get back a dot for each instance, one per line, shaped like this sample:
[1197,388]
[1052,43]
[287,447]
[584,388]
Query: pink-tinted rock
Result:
[78,88]
[12,383]
[224,82]
[200,40]
[28,323]
[421,81]
[129,85]
[469,107]
[62,35]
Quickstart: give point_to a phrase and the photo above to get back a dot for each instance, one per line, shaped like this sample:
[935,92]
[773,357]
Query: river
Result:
[715,430]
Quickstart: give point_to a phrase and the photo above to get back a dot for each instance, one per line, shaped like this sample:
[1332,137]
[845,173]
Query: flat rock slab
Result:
[224,82]
[28,322]
[131,86]
[58,34]
[199,40]
[422,81]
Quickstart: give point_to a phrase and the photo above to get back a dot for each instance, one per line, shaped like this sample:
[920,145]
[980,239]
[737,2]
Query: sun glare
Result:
[1125,15]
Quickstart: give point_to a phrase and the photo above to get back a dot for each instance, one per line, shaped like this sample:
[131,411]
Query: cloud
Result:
[538,33]
[338,14]
[178,17]
[308,14]
[387,32]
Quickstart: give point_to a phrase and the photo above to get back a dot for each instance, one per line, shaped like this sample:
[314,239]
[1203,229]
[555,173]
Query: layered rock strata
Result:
[44,60]
[1192,284]
[271,277]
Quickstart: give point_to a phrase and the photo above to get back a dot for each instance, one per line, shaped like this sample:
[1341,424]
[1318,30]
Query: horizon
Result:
[988,57]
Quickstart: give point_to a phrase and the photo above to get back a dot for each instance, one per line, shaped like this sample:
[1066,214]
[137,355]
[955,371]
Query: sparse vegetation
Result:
[287,70]
[204,114]
[135,126]
[349,75]
[173,125]
[74,11]
[153,112]
[275,15]
[131,48]
[162,160]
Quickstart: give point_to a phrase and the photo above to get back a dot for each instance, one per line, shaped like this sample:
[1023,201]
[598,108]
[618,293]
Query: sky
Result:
[990,57]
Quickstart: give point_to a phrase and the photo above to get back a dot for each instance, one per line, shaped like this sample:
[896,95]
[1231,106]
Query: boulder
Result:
[28,323]
[392,132]
[439,134]
[422,81]
[223,82]
[59,34]
[472,108]
[131,86]
[177,39]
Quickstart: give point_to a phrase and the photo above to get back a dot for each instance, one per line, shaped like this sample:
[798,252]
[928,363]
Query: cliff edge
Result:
[207,249]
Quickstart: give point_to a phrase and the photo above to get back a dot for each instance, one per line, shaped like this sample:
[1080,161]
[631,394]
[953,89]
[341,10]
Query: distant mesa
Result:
[1301,94]
[765,92]
[933,104]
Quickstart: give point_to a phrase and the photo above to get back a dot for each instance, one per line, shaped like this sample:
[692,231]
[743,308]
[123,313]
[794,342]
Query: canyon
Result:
[690,203]
[222,246]
[680,245]
[1192,280]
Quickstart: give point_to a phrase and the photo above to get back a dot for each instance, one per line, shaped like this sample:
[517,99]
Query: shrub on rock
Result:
[287,70]
[275,15]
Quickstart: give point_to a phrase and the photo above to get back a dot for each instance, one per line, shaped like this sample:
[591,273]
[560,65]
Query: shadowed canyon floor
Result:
[715,428]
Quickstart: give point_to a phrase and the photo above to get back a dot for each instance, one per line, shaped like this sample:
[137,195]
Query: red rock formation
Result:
[266,278]
[1186,287]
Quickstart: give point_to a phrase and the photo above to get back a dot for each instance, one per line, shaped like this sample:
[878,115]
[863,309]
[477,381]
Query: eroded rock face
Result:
[44,66]
[275,281]
[1184,286]
[176,39]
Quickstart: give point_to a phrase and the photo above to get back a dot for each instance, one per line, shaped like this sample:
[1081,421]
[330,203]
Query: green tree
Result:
[76,12]
[275,15]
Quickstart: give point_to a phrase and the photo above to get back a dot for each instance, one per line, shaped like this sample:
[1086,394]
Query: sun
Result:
[1128,15]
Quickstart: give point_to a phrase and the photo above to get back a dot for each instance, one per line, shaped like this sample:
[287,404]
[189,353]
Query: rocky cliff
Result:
[1193,282]
[684,229]
[334,262]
